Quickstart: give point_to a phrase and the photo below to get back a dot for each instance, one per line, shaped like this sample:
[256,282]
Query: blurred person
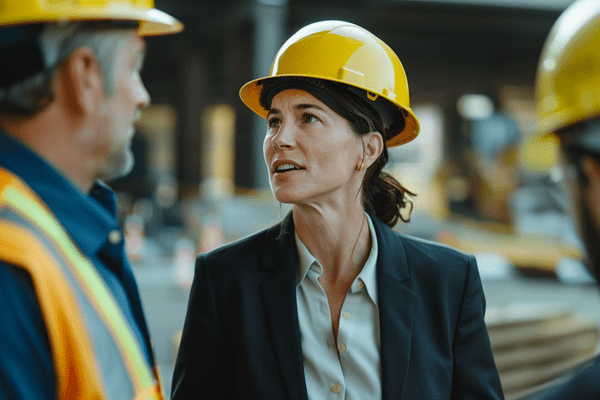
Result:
[333,302]
[568,107]
[70,92]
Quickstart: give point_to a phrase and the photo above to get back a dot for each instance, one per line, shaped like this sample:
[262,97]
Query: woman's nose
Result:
[284,137]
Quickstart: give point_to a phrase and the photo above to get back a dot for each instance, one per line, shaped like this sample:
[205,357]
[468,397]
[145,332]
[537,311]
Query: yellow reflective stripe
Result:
[100,298]
[150,393]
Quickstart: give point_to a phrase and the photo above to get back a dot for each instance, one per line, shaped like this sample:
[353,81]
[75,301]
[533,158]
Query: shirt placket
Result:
[335,374]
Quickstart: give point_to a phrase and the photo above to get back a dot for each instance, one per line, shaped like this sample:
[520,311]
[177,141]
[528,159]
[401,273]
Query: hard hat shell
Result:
[568,75]
[152,21]
[340,51]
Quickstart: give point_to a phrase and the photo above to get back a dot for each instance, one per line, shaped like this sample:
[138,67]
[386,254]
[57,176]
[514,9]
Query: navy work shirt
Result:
[26,365]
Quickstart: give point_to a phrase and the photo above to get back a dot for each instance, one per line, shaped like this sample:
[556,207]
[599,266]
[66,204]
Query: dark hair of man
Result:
[573,152]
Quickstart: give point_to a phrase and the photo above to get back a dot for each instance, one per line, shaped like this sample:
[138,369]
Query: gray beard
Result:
[119,166]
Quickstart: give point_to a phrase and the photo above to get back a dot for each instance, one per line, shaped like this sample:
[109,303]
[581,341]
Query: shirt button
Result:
[360,284]
[346,315]
[114,236]
[336,388]
[342,347]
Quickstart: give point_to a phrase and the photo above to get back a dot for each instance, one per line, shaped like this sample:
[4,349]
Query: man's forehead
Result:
[134,48]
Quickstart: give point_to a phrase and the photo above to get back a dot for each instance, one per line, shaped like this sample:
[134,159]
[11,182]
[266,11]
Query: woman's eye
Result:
[273,122]
[308,118]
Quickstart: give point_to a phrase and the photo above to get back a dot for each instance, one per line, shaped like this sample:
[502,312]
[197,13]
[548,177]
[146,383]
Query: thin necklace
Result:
[355,243]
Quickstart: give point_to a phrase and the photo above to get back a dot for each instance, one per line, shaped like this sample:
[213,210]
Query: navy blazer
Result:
[241,338]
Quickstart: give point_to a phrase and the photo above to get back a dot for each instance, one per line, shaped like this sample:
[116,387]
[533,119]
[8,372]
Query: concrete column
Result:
[218,130]
[269,35]
[192,99]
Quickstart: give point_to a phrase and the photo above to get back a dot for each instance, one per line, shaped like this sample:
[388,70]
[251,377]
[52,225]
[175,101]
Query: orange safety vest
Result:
[96,355]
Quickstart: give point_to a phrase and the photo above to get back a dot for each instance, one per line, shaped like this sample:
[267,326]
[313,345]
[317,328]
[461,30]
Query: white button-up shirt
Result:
[356,373]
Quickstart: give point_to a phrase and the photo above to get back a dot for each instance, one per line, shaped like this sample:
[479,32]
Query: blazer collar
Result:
[391,247]
[396,310]
[279,295]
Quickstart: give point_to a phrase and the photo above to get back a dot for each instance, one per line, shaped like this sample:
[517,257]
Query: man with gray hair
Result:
[70,92]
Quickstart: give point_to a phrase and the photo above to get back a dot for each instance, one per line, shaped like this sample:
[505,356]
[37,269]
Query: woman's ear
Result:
[372,148]
[81,81]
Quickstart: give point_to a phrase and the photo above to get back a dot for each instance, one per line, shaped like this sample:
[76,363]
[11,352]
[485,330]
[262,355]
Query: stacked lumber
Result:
[536,344]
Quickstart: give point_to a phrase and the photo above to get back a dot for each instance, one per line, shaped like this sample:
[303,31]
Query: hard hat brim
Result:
[250,95]
[152,22]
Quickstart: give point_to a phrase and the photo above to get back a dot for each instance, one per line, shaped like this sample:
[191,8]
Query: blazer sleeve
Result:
[199,369]
[475,373]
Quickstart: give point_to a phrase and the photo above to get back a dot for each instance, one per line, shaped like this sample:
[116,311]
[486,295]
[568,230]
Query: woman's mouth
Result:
[286,168]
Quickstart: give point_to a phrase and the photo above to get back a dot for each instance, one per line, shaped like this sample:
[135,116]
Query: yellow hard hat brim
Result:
[250,95]
[153,22]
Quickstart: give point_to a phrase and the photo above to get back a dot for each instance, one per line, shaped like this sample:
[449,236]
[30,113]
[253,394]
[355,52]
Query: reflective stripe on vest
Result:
[96,355]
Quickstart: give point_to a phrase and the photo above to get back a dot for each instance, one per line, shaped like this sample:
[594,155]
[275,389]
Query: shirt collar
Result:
[306,260]
[88,218]
[367,275]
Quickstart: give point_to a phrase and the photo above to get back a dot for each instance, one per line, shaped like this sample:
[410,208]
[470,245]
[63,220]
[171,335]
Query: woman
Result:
[332,303]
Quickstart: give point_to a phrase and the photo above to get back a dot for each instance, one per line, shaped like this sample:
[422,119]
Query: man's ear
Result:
[81,81]
[373,146]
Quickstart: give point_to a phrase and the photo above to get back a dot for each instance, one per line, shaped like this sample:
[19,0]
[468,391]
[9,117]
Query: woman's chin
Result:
[284,196]
[284,199]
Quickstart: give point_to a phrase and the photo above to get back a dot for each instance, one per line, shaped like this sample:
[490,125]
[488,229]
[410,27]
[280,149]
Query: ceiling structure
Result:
[437,34]
[448,47]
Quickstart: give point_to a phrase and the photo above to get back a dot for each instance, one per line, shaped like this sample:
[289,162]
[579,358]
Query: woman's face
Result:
[311,152]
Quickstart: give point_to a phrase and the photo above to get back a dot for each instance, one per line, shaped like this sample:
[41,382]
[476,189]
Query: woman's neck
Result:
[340,241]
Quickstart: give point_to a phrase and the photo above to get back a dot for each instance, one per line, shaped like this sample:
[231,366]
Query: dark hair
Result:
[573,151]
[382,195]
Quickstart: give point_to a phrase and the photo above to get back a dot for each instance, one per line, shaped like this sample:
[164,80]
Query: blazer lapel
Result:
[396,305]
[279,296]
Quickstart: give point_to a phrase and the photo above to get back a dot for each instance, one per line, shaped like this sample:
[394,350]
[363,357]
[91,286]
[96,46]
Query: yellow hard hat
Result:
[152,21]
[343,52]
[568,76]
